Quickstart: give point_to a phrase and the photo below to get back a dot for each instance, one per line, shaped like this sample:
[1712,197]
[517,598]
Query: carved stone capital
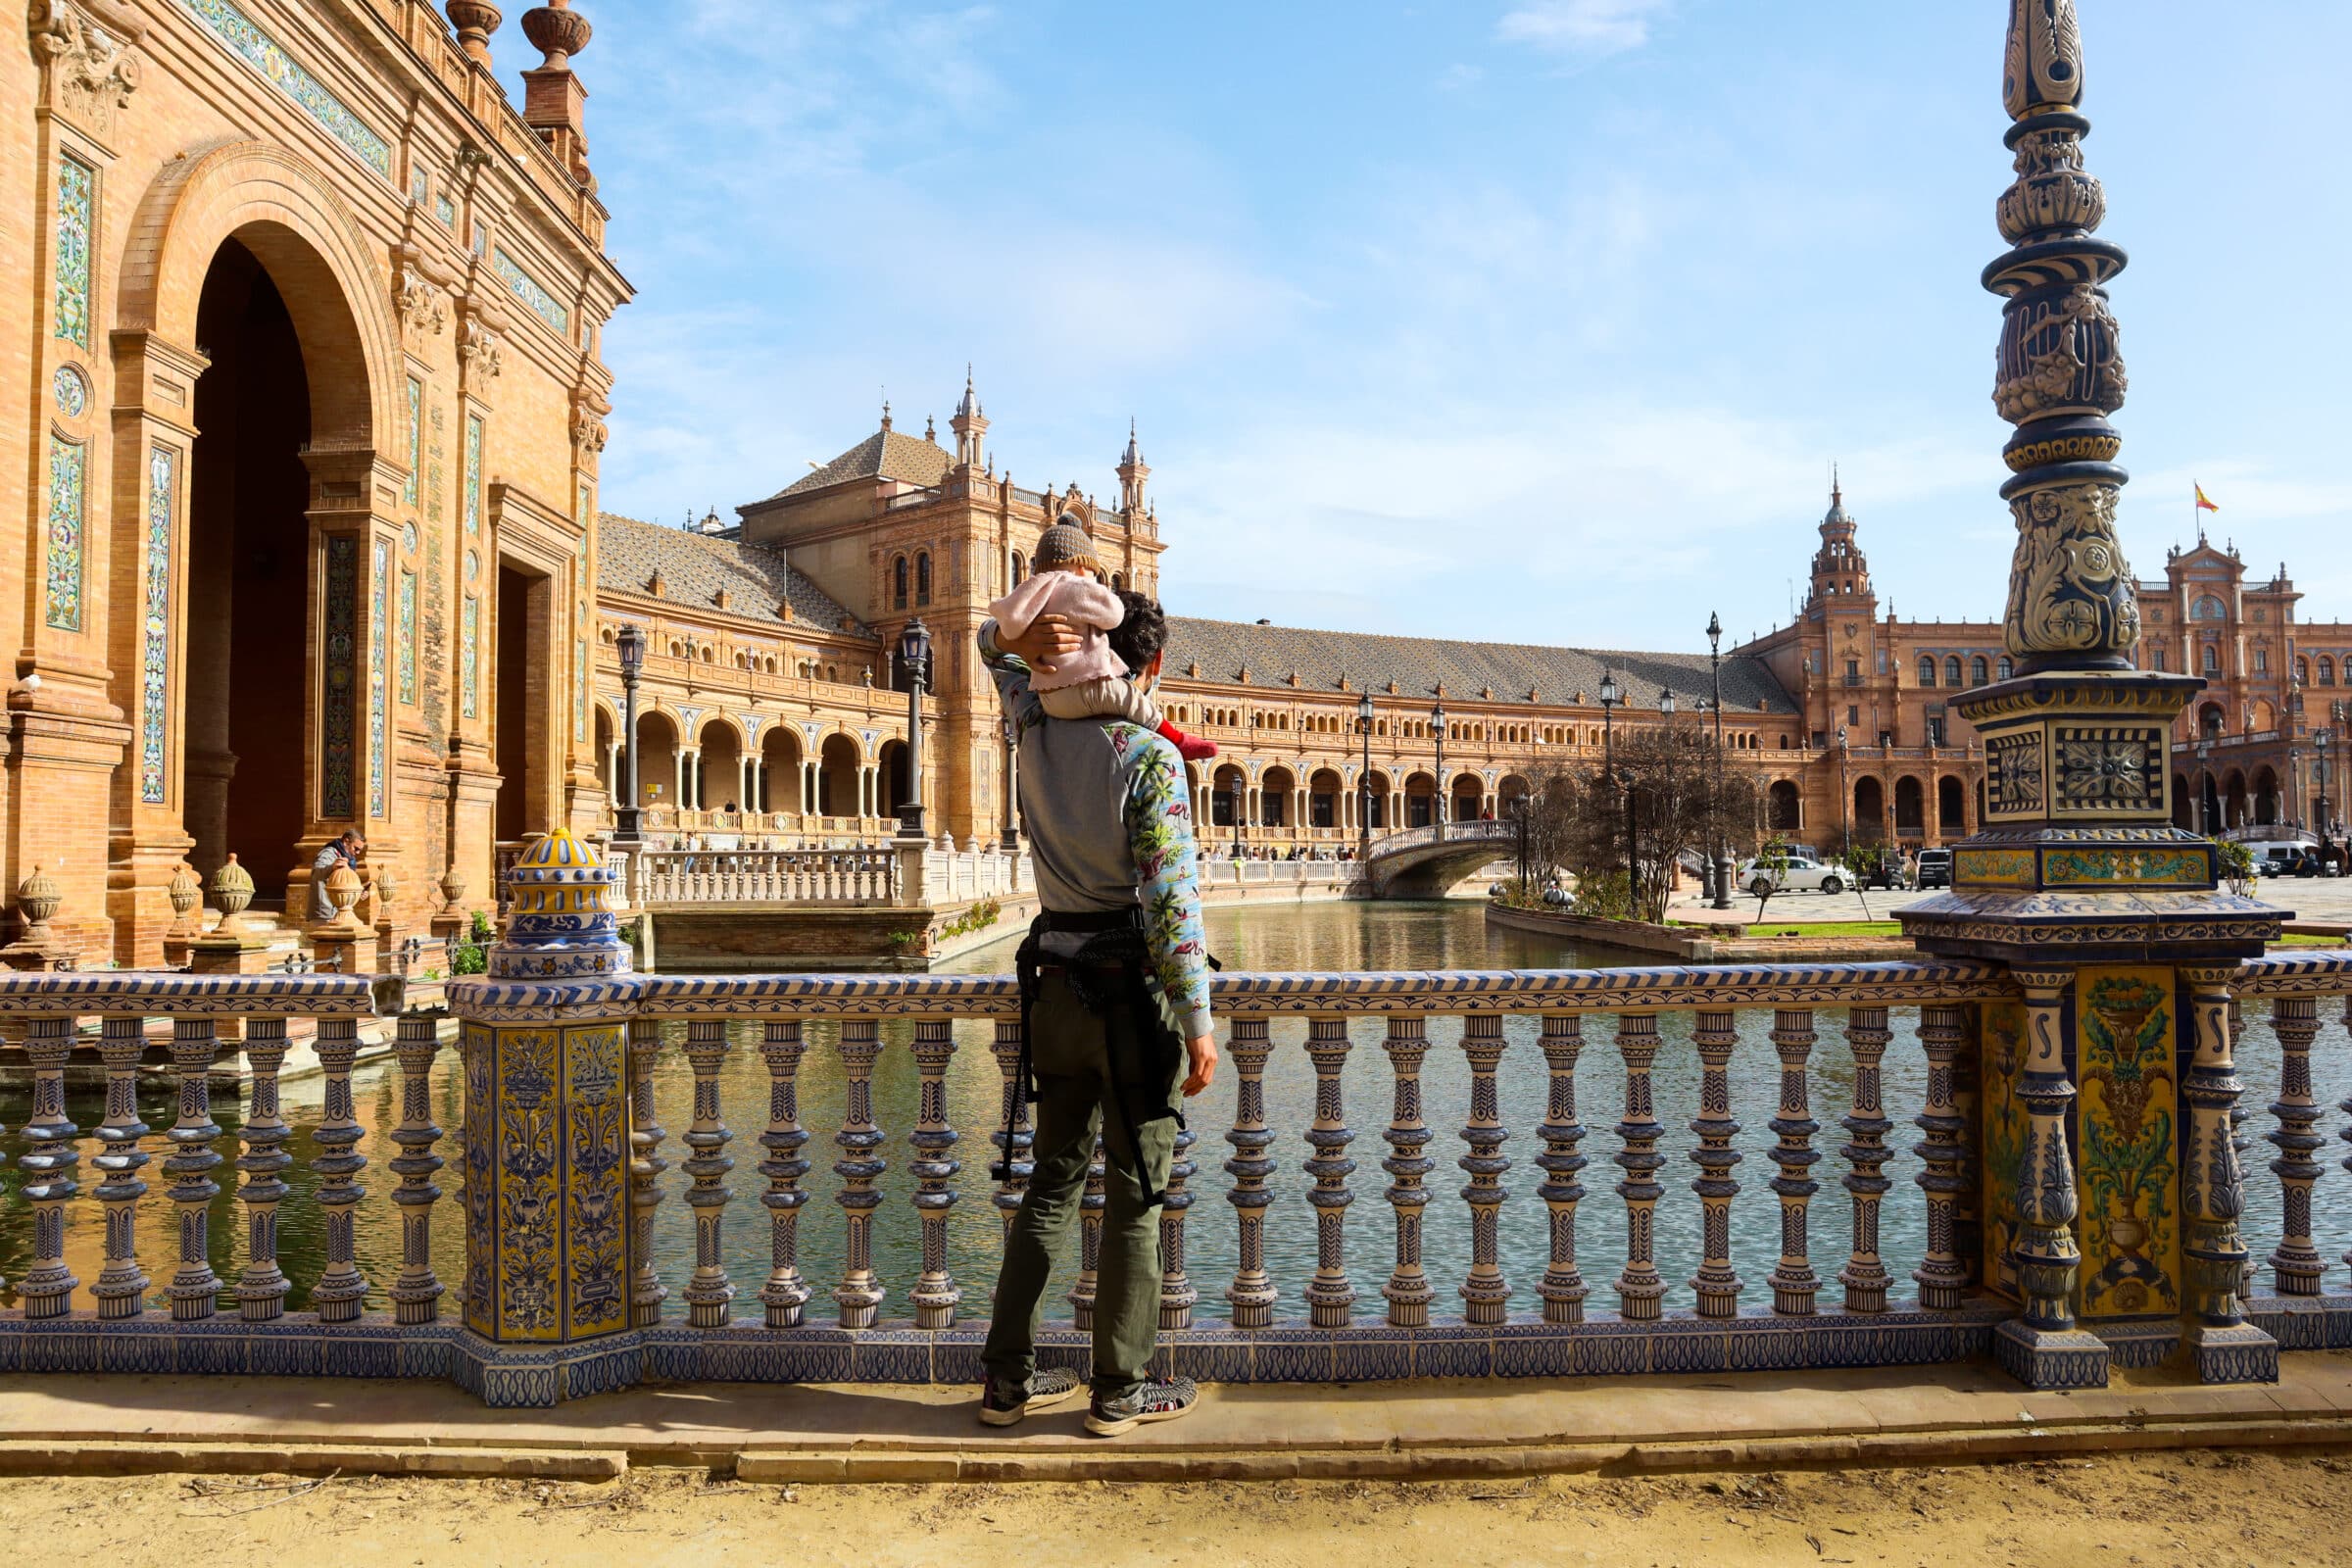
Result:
[88,51]
[419,292]
[481,336]
[2071,590]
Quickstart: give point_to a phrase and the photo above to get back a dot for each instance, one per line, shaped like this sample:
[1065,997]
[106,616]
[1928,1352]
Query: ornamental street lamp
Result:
[1609,697]
[1238,803]
[1845,832]
[2205,801]
[626,817]
[1723,845]
[2295,786]
[1437,724]
[2320,739]
[914,664]
[1363,790]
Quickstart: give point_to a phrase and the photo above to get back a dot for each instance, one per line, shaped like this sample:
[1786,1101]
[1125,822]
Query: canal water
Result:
[1309,936]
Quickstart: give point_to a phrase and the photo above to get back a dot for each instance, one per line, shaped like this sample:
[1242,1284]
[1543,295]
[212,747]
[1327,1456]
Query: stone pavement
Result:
[1430,1430]
[2328,898]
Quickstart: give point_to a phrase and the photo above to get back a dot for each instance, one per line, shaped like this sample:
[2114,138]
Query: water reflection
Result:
[1310,936]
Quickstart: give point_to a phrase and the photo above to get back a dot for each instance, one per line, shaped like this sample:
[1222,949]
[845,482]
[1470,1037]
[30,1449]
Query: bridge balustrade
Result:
[570,1215]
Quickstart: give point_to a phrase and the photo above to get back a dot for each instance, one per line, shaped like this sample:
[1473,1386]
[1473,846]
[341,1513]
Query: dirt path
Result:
[2218,1510]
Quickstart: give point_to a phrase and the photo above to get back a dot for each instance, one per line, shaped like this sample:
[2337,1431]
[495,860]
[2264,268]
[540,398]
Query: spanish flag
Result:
[2203,505]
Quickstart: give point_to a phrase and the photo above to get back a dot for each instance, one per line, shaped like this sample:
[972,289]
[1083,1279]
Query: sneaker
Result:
[1161,1399]
[1049,1387]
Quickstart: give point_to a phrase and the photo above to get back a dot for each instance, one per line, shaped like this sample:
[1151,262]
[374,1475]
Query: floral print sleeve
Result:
[1167,872]
[1022,710]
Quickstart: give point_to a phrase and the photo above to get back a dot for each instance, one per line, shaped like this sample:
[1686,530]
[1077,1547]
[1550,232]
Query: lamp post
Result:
[1723,840]
[2295,786]
[1240,799]
[1009,835]
[1519,814]
[2320,739]
[1633,843]
[2204,785]
[914,662]
[1437,724]
[1363,782]
[626,817]
[1609,697]
[1846,831]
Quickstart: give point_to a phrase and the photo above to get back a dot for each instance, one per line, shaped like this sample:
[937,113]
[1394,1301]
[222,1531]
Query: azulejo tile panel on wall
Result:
[2001,1118]
[2129,1178]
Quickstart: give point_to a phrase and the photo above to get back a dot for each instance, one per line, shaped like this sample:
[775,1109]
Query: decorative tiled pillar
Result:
[1562,1288]
[548,1148]
[1716,1285]
[2296,1267]
[262,1288]
[416,1292]
[2077,879]
[858,1296]
[1792,1280]
[1329,1295]
[1865,1273]
[1253,1292]
[934,1166]
[708,1293]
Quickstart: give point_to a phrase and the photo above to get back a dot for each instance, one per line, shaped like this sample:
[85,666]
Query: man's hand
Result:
[1201,1053]
[1049,638]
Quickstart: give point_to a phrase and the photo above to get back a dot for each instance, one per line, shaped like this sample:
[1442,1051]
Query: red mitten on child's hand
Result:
[1190,750]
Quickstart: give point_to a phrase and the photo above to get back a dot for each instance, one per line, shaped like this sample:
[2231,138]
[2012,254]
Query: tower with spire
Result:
[1839,568]
[1132,472]
[971,428]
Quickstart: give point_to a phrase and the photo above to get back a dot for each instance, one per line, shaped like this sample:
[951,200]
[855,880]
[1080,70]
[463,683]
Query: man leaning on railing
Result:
[1114,1001]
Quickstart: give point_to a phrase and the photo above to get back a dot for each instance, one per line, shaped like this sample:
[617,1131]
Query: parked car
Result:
[2285,858]
[1801,873]
[1935,868]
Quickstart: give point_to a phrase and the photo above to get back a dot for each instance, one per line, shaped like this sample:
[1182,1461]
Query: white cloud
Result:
[1458,78]
[1587,27]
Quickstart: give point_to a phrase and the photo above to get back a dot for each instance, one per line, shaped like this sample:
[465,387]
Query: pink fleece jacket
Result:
[1093,608]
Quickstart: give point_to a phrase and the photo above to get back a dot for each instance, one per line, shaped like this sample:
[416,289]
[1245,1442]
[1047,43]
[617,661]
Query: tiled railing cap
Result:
[266,996]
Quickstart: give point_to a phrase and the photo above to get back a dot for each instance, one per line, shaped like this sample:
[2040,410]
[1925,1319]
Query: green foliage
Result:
[469,957]
[2237,866]
[481,933]
[1772,859]
[903,941]
[1602,896]
[979,918]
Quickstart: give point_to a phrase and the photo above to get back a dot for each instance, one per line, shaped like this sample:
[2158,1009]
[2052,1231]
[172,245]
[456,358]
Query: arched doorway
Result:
[1420,800]
[2184,804]
[720,751]
[780,756]
[1784,815]
[608,751]
[1375,805]
[1225,797]
[1323,809]
[2234,808]
[1469,798]
[657,758]
[1870,810]
[1910,808]
[250,566]
[2265,797]
[894,777]
[837,778]
[1274,791]
[1951,806]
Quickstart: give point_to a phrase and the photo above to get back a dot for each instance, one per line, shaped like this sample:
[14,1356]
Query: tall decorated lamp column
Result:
[2111,918]
[548,1240]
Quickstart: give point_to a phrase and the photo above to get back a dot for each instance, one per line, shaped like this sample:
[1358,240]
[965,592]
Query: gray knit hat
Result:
[1065,545]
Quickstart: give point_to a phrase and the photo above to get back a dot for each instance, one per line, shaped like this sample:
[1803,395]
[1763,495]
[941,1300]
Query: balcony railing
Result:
[766,876]
[1305,1281]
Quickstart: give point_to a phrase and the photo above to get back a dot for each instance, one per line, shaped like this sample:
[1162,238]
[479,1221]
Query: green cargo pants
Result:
[1072,1053]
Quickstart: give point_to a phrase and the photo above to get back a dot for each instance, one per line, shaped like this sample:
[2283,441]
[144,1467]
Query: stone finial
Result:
[343,890]
[453,889]
[38,899]
[475,20]
[558,32]
[185,890]
[232,895]
[387,888]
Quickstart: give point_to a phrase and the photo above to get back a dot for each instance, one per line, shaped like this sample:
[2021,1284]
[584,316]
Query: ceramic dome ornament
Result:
[562,924]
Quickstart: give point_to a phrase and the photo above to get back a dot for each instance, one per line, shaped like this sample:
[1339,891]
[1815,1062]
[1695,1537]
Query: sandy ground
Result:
[2217,1510]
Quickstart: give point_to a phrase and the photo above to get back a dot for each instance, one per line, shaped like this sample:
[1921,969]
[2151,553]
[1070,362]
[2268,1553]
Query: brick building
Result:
[302,517]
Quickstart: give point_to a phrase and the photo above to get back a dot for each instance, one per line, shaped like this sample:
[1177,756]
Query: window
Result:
[1019,572]
[1926,670]
[1951,670]
[2208,609]
[2262,659]
[2327,670]
[922,577]
[1881,665]
[898,583]
[2302,670]
[2157,655]
[2005,668]
[2213,660]
[1977,670]
[1936,731]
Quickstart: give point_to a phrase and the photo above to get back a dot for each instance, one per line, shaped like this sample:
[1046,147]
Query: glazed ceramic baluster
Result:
[1941,1275]
[2047,1255]
[785,1294]
[194,1289]
[708,1291]
[1563,1288]
[416,1291]
[2347,1104]
[1408,1291]
[48,1287]
[2239,1139]
[2296,1265]
[261,1286]
[2222,1345]
[1015,1166]
[933,1166]
[1177,1298]
[1329,1295]
[1792,1280]
[1640,1289]
[647,1292]
[1090,1242]
[1487,1292]
[1253,1292]
[1716,1285]
[122,1284]
[1865,1273]
[859,1293]
[341,1290]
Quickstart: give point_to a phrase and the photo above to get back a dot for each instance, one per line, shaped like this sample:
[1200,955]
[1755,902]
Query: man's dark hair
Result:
[1140,638]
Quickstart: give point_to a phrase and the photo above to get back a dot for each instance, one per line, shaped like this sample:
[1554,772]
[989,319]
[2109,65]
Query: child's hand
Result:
[1049,639]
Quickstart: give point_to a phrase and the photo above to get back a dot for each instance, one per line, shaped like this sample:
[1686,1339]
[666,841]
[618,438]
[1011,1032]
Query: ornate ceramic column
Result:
[2077,875]
[544,1044]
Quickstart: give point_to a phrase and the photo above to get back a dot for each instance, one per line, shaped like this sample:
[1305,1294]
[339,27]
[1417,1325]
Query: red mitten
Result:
[1190,750]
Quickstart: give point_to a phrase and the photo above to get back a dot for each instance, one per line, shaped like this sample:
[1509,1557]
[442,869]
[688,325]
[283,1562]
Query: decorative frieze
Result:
[69,503]
[528,289]
[154,628]
[265,54]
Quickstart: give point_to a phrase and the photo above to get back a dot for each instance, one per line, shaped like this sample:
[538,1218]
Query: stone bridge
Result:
[1425,862]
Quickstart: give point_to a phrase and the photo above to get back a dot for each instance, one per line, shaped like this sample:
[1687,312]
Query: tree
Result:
[1681,803]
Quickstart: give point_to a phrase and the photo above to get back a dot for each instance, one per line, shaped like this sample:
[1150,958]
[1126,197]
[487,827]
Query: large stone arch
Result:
[284,210]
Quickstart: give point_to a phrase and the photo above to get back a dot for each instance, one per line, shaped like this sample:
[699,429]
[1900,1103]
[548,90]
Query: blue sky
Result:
[1534,319]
